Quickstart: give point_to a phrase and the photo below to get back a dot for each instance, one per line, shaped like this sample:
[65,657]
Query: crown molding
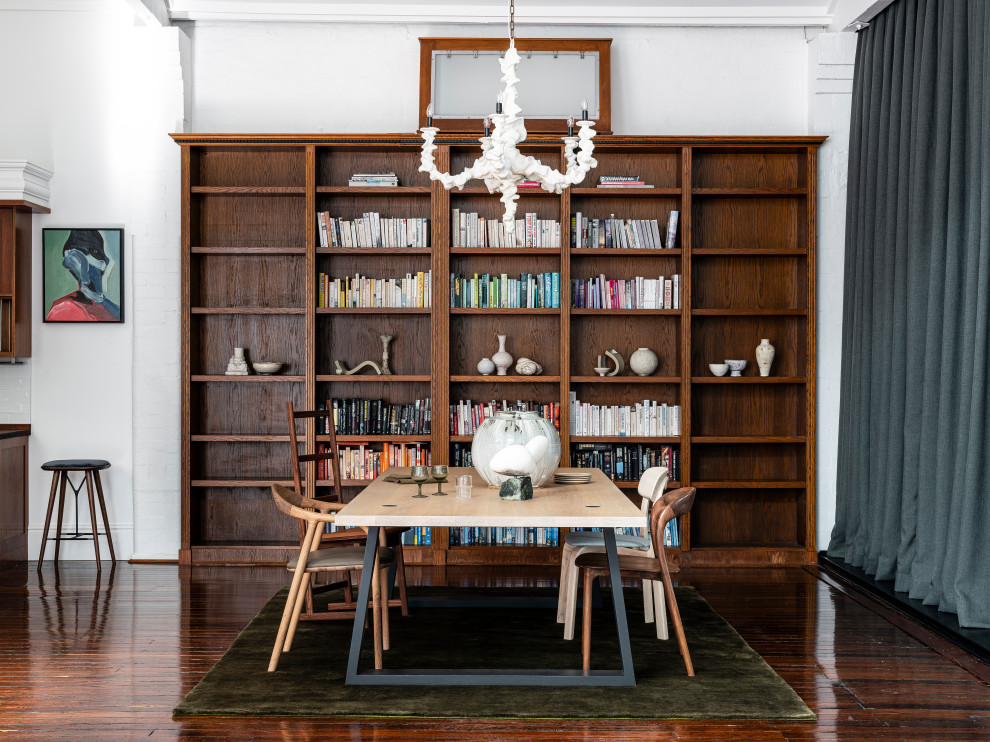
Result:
[21,180]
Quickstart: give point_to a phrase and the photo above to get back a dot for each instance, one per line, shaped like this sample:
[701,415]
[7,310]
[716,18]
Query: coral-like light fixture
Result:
[501,165]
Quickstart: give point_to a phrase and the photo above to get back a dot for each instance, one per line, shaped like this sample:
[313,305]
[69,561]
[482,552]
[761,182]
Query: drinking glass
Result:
[464,486]
[419,474]
[439,473]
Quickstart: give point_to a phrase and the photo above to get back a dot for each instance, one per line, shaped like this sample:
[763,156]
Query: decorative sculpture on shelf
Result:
[237,365]
[340,368]
[528,367]
[616,359]
[386,339]
[501,165]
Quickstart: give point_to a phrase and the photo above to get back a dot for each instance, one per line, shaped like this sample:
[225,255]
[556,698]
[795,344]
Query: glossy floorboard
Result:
[88,657]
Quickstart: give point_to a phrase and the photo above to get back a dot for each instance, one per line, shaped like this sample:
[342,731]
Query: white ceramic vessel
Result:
[643,362]
[735,366]
[764,356]
[237,366]
[485,366]
[502,359]
[719,369]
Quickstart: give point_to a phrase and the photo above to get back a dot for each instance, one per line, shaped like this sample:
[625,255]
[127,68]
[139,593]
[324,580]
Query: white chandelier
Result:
[501,165]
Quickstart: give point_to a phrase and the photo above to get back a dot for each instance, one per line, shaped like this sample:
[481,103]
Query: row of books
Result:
[536,536]
[368,180]
[362,461]
[378,417]
[470,229]
[465,416]
[413,290]
[371,230]
[417,536]
[622,181]
[529,291]
[642,234]
[646,418]
[626,463]
[599,292]
[671,532]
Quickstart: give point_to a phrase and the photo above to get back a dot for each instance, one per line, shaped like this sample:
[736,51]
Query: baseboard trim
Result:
[926,628]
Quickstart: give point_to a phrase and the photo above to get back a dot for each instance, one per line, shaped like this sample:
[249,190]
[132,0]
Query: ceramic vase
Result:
[237,366]
[764,356]
[643,362]
[502,359]
[485,366]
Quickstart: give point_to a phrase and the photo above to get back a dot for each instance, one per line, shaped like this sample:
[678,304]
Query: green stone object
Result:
[516,488]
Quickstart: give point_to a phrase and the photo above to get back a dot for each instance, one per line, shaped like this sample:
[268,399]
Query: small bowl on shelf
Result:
[719,369]
[736,367]
[266,368]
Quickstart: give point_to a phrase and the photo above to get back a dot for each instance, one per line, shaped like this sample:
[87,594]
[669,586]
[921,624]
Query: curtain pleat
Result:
[913,484]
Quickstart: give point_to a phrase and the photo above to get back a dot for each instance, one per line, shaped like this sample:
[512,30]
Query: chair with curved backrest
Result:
[651,486]
[392,537]
[314,515]
[593,566]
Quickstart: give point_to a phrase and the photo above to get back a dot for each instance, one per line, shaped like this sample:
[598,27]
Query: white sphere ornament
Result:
[486,366]
[643,362]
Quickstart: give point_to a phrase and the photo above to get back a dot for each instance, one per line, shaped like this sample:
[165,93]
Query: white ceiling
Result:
[533,12]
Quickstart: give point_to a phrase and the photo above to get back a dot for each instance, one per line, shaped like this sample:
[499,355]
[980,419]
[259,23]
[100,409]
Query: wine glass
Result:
[419,474]
[439,473]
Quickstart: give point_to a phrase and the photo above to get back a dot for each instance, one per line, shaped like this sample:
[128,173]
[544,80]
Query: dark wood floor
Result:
[83,657]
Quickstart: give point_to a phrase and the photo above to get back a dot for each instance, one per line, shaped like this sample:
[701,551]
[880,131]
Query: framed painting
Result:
[83,275]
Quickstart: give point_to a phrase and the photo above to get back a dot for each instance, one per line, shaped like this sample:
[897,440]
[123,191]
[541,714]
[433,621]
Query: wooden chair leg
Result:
[103,509]
[660,612]
[400,578]
[565,574]
[48,518]
[647,601]
[348,596]
[291,600]
[92,517]
[305,591]
[586,623]
[571,594]
[64,479]
[383,577]
[675,614]
[376,614]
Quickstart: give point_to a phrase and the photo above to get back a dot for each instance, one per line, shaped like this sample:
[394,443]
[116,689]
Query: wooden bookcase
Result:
[745,251]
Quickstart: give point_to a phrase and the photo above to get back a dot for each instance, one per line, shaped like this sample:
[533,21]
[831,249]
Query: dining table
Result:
[388,502]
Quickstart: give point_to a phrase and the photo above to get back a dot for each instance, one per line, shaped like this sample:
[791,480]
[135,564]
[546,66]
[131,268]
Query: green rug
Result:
[732,681]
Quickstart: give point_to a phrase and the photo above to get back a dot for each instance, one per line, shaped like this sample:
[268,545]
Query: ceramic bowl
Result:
[736,367]
[266,367]
[719,369]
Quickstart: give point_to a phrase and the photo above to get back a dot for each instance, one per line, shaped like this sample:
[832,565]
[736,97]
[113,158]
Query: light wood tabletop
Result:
[597,504]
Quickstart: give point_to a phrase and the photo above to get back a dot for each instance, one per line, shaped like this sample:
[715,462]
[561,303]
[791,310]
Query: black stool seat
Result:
[70,464]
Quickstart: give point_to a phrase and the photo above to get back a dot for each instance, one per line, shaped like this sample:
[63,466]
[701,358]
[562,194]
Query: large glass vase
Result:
[513,437]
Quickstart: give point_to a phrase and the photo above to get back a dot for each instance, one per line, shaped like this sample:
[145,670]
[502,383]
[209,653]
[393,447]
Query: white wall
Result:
[294,77]
[88,105]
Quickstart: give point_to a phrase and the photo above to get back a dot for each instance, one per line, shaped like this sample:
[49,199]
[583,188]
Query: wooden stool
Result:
[91,468]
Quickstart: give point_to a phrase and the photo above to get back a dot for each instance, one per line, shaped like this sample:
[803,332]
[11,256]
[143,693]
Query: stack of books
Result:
[621,181]
[369,180]
[465,416]
[373,230]
[648,418]
[378,417]
[492,291]
[626,463]
[612,233]
[470,229]
[413,290]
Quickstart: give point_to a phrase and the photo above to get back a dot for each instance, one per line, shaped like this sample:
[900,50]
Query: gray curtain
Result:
[913,499]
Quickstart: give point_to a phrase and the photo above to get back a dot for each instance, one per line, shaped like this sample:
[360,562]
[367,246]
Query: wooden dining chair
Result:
[651,486]
[593,566]
[392,537]
[314,515]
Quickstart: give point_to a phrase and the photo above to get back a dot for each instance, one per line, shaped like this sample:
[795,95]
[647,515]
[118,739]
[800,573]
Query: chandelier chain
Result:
[512,19]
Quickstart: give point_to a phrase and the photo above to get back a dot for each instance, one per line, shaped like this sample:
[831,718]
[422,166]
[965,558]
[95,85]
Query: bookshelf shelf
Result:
[505,379]
[625,379]
[607,252]
[251,261]
[250,379]
[373,251]
[504,310]
[373,378]
[248,250]
[660,312]
[373,310]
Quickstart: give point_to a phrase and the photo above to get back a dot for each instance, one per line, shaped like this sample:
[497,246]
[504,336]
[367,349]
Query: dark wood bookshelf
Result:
[745,250]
